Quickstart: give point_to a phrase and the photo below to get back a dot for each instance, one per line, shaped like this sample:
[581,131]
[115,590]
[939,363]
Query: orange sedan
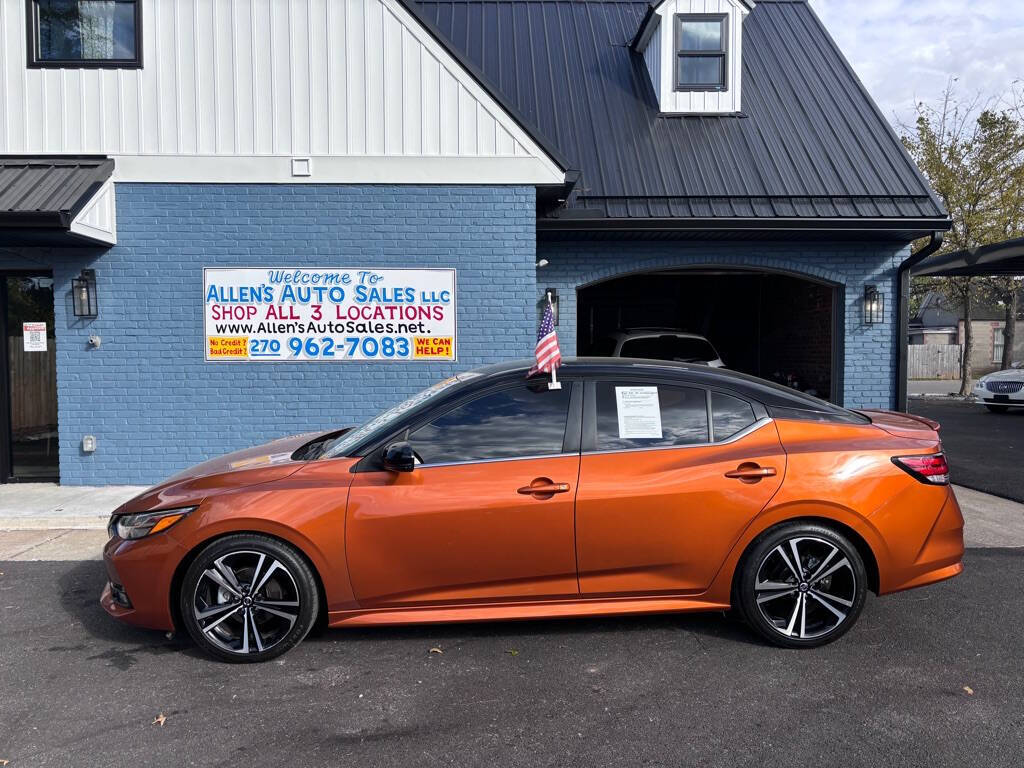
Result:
[636,487]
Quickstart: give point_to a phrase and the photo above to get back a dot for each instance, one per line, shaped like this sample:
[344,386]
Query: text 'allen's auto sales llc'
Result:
[289,314]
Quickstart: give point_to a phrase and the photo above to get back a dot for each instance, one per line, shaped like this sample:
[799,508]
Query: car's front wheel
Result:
[802,585]
[248,598]
[997,408]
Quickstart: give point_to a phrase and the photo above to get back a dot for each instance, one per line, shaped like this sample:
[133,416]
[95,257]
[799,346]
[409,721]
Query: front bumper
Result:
[139,575]
[990,398]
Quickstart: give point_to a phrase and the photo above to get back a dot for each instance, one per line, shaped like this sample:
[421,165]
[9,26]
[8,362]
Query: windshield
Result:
[342,445]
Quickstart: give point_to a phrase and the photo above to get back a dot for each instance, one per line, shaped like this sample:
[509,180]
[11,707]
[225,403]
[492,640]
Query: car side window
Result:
[730,415]
[649,416]
[527,420]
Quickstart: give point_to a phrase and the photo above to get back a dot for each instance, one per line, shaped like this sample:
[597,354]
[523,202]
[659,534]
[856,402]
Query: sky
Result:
[905,51]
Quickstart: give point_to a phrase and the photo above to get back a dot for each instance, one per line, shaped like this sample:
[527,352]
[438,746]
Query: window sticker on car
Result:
[639,412]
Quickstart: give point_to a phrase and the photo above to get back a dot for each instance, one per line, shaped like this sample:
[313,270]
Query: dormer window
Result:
[701,52]
[694,58]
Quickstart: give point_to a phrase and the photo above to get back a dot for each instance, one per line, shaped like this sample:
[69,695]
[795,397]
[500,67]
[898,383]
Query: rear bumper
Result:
[939,557]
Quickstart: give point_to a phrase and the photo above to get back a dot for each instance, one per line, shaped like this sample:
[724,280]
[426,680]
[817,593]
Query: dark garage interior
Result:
[770,325]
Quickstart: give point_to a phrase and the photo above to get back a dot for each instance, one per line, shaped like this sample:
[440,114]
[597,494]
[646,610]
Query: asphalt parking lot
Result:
[930,676]
[983,449]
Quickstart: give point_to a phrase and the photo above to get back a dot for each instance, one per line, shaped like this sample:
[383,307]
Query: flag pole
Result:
[554,383]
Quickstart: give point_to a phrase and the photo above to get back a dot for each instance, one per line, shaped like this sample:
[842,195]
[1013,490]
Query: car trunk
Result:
[904,424]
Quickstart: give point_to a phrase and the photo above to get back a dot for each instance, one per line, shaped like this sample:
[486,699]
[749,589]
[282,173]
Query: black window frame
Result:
[722,53]
[589,436]
[32,47]
[372,459]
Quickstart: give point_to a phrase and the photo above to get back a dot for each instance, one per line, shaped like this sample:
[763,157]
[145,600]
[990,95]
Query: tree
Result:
[973,155]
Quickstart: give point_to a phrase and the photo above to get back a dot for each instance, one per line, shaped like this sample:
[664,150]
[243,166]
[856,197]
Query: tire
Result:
[237,618]
[997,408]
[814,609]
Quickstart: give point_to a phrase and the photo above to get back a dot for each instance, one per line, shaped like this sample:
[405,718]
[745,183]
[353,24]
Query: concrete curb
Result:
[45,506]
[54,522]
[991,521]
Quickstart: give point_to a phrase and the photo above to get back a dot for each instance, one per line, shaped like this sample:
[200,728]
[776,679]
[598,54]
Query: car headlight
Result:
[979,384]
[145,523]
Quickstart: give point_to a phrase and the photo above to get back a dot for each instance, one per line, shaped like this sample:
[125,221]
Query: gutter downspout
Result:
[903,316]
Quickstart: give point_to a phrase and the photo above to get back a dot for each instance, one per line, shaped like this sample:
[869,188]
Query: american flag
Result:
[548,355]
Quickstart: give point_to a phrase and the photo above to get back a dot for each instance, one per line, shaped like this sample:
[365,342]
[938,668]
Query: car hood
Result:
[251,466]
[1010,374]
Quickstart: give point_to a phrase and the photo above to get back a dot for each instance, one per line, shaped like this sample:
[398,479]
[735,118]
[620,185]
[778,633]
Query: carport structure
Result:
[1006,258]
[997,259]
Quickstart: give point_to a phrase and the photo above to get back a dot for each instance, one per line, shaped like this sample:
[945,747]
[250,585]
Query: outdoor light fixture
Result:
[874,305]
[83,294]
[551,295]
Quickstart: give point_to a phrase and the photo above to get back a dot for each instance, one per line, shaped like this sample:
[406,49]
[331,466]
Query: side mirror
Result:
[399,457]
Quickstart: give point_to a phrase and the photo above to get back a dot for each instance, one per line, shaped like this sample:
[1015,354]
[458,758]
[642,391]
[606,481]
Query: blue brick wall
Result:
[870,354]
[154,404]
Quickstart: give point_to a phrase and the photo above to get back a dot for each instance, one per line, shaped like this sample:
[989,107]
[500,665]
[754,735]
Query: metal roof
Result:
[810,145]
[48,191]
[1006,258]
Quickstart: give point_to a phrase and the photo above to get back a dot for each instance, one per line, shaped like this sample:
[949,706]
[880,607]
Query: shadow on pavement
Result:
[80,586]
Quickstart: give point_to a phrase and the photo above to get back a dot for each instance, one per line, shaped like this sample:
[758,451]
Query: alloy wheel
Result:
[805,588]
[246,602]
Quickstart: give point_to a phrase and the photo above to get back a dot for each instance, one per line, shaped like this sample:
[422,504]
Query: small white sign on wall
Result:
[34,335]
[639,412]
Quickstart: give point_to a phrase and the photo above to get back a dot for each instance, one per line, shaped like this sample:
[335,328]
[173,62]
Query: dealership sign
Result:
[287,314]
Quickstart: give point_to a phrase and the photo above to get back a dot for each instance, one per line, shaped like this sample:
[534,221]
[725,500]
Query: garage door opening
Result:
[771,325]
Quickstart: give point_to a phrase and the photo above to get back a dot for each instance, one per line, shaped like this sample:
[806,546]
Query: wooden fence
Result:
[34,394]
[934,361]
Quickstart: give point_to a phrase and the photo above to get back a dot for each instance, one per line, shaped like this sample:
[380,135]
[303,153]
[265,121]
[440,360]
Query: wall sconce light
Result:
[83,294]
[551,295]
[874,305]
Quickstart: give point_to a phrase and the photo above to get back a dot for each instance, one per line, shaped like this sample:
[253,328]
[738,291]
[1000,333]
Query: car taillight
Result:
[931,469]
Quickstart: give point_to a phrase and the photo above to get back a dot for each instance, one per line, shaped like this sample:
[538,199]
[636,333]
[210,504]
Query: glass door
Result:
[28,405]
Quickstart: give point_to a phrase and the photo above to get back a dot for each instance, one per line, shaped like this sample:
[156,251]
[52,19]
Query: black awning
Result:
[1005,258]
[41,196]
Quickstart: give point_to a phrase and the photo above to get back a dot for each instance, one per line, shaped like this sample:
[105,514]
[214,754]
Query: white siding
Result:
[699,102]
[652,57]
[262,79]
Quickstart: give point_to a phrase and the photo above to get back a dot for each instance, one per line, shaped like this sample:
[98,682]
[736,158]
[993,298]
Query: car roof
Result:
[751,387]
[633,333]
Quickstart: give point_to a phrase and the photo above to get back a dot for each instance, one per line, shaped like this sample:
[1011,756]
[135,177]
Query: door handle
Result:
[749,472]
[543,488]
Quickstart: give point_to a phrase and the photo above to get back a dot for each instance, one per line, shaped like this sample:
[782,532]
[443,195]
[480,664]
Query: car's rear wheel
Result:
[802,585]
[997,408]
[248,598]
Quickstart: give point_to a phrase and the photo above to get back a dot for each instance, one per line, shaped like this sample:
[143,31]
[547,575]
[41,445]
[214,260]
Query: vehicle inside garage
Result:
[771,325]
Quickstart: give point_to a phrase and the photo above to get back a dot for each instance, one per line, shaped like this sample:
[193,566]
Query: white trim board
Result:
[335,170]
[98,218]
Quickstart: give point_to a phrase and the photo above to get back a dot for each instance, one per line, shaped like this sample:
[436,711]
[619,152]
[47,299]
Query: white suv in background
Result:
[662,344]
[1001,390]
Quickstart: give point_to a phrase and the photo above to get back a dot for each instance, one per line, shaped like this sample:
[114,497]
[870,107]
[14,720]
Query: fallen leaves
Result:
[512,652]
[970,691]
[436,649]
[160,720]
